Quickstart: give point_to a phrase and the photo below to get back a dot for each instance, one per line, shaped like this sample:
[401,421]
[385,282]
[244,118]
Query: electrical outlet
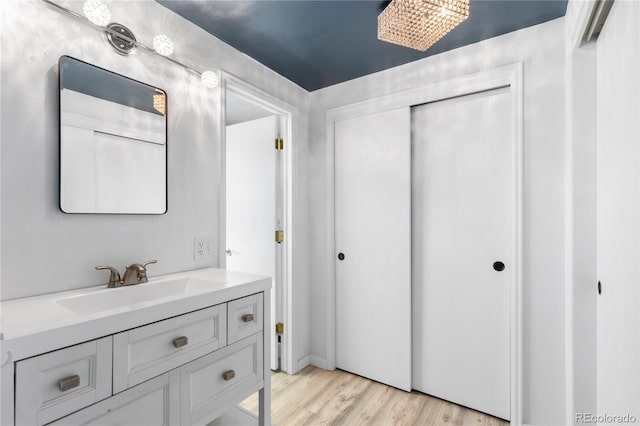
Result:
[202,248]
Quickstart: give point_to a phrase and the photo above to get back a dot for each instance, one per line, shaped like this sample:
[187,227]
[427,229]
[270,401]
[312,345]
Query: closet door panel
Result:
[463,210]
[373,246]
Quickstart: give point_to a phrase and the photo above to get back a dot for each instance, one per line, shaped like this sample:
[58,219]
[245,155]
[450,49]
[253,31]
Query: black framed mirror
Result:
[113,142]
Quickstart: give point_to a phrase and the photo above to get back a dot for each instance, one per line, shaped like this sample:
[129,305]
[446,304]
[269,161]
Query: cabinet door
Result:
[215,382]
[153,403]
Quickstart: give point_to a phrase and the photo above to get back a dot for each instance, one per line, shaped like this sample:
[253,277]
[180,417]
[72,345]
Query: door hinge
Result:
[279,144]
[279,236]
[279,331]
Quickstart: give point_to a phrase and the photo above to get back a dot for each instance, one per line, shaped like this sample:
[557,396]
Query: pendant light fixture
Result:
[418,24]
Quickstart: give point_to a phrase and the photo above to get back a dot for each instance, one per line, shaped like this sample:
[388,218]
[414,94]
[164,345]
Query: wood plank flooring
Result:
[319,397]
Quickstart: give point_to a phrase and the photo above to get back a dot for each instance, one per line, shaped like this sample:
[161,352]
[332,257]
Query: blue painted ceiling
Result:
[319,43]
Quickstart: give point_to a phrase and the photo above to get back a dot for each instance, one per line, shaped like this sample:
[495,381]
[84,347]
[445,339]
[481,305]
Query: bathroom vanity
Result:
[182,349]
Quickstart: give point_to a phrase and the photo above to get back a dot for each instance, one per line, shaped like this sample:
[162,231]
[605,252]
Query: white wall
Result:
[45,250]
[541,49]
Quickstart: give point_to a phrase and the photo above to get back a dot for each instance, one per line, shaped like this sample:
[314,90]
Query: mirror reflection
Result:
[113,144]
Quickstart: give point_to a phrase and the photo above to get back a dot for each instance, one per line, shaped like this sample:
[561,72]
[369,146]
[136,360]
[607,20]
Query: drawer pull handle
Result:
[69,383]
[181,341]
[247,318]
[228,375]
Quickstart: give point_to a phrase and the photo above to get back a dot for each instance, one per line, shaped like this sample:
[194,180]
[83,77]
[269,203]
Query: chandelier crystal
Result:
[418,24]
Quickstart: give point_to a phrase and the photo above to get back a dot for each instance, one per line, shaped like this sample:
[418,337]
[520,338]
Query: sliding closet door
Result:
[618,211]
[462,241]
[373,246]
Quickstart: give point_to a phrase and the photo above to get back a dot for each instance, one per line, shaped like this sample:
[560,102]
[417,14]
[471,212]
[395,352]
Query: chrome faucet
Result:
[135,273]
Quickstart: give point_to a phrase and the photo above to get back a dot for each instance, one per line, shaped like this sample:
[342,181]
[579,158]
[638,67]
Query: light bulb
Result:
[163,45]
[97,12]
[210,79]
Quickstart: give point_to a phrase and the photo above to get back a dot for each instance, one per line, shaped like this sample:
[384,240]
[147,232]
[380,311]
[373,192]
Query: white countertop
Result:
[34,325]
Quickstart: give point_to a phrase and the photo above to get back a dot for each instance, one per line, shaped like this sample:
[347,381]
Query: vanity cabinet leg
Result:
[264,395]
[7,371]
[265,408]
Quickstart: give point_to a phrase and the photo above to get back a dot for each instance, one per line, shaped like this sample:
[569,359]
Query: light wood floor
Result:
[319,397]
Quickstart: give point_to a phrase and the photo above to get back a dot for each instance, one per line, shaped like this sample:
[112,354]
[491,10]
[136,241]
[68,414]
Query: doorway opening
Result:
[255,162]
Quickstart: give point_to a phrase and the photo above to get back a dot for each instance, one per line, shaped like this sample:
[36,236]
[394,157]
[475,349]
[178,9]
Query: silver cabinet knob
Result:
[229,253]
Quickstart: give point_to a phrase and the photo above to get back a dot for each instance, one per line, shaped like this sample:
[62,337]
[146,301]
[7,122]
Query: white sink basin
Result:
[105,299]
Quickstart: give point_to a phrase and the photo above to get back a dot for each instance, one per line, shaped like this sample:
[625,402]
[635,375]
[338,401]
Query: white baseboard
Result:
[303,362]
[316,361]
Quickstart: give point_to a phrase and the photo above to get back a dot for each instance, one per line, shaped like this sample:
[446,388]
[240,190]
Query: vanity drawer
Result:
[55,384]
[244,317]
[211,383]
[145,352]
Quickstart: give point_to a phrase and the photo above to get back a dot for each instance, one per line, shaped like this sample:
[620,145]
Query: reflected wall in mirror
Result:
[113,142]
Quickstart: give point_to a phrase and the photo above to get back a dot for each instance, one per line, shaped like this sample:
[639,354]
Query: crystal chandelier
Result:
[418,24]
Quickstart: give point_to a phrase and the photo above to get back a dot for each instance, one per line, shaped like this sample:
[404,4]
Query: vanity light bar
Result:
[132,41]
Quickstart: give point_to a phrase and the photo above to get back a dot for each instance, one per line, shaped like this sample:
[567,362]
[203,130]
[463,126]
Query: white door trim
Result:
[505,76]
[580,104]
[284,308]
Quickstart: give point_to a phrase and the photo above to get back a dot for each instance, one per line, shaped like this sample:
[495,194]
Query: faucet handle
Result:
[114,277]
[149,262]
[142,270]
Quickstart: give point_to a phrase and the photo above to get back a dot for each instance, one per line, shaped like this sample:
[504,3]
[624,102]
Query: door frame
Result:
[580,211]
[505,76]
[285,112]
